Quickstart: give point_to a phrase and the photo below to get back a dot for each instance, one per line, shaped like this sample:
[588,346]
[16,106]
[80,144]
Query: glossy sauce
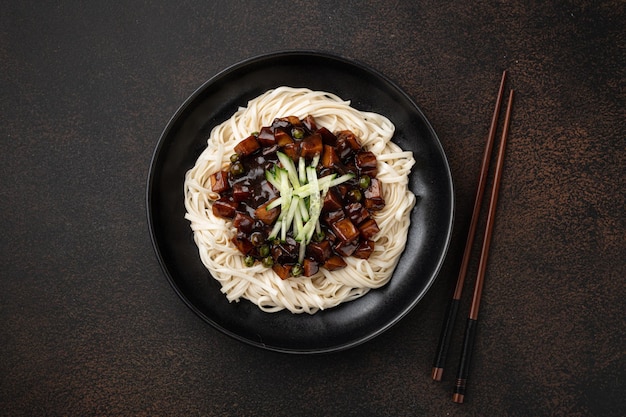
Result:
[346,222]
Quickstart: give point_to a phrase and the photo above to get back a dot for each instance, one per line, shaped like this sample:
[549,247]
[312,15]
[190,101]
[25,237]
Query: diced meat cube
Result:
[365,249]
[247,146]
[219,182]
[345,230]
[350,138]
[356,213]
[283,271]
[243,223]
[330,217]
[311,146]
[280,123]
[332,201]
[282,138]
[328,138]
[266,137]
[369,228]
[292,150]
[224,208]
[374,196]
[329,157]
[243,244]
[265,215]
[343,189]
[343,150]
[286,251]
[346,248]
[241,192]
[309,268]
[294,121]
[347,144]
[334,263]
[319,251]
[366,163]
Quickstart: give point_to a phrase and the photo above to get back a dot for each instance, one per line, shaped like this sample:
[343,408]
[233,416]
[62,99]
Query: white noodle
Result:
[325,289]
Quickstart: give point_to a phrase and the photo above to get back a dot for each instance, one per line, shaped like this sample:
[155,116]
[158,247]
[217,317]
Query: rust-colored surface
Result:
[89,324]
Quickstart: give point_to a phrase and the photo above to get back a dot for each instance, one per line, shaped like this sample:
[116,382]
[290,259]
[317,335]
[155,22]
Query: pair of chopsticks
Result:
[472,321]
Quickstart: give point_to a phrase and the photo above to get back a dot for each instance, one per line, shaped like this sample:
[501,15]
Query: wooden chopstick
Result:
[472,321]
[451,313]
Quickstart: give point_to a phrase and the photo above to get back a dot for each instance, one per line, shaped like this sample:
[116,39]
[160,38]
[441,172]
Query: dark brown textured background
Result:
[89,324]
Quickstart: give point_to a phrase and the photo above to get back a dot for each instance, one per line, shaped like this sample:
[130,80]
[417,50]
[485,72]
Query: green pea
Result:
[296,271]
[264,251]
[355,195]
[365,181]
[234,158]
[268,262]
[297,133]
[248,260]
[237,168]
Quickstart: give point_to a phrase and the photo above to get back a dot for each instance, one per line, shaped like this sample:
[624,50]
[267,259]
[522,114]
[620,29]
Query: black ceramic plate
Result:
[350,323]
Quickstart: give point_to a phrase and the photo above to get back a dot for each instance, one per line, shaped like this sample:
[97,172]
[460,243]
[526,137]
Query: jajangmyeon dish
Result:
[300,201]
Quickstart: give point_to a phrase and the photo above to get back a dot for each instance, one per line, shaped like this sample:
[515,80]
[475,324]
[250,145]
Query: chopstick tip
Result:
[458,398]
[437,374]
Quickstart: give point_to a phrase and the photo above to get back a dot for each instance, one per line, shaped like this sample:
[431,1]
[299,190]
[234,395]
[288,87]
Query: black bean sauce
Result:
[346,223]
